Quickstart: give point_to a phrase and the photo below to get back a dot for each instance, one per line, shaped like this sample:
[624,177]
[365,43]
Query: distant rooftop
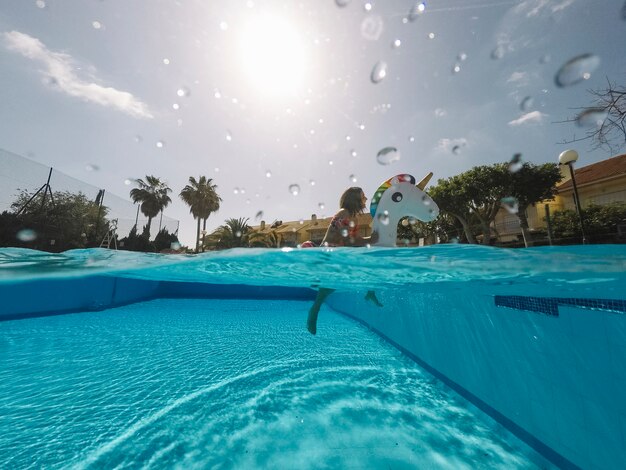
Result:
[609,168]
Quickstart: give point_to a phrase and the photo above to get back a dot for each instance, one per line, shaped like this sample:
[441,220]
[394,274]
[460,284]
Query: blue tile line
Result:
[550,305]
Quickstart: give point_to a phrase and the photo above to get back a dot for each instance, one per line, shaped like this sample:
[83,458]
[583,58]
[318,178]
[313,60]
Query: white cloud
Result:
[534,7]
[518,77]
[528,118]
[59,69]
[451,145]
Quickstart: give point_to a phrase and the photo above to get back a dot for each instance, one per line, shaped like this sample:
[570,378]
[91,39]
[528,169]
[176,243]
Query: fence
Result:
[19,174]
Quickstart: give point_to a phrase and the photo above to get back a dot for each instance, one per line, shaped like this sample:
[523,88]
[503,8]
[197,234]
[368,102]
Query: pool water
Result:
[197,383]
[128,360]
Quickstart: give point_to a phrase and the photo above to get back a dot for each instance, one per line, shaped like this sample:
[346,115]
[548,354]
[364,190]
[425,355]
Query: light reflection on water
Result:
[233,384]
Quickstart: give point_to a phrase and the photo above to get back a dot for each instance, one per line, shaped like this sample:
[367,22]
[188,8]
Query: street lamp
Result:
[568,157]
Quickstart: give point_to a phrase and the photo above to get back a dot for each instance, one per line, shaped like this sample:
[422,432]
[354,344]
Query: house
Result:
[600,183]
[293,233]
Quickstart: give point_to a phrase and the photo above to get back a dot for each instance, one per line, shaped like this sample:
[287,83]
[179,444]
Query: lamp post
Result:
[568,157]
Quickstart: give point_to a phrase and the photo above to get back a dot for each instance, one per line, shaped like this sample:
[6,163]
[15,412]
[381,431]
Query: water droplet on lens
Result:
[378,72]
[128,181]
[268,174]
[294,189]
[592,117]
[96,25]
[91,167]
[384,218]
[138,139]
[456,149]
[183,91]
[416,11]
[238,234]
[462,56]
[353,153]
[26,235]
[176,106]
[312,182]
[372,27]
[258,216]
[456,68]
[175,246]
[342,3]
[353,178]
[362,127]
[545,59]
[223,25]
[367,6]
[526,103]
[40,4]
[411,138]
[321,205]
[516,163]
[396,43]
[576,70]
[344,232]
[229,136]
[431,35]
[498,52]
[388,155]
[166,61]
[510,204]
[236,190]
[160,144]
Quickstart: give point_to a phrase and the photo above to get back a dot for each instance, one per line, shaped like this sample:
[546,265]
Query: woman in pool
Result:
[342,231]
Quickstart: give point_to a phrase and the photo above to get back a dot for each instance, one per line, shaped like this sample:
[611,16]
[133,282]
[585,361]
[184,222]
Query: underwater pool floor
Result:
[194,383]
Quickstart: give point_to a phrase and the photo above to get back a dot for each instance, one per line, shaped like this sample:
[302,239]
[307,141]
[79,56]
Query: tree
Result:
[600,221]
[233,234]
[136,242]
[258,239]
[606,118]
[475,194]
[530,185]
[449,196]
[152,194]
[201,197]
[62,222]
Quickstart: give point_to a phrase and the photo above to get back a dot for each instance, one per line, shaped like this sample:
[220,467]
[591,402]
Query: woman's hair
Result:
[351,200]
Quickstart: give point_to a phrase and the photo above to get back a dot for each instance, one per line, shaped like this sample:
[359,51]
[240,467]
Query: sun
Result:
[273,55]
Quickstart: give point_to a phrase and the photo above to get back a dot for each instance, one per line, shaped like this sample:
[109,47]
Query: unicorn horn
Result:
[422,184]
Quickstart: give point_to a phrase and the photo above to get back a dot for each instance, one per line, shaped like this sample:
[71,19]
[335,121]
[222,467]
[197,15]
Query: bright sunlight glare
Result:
[273,55]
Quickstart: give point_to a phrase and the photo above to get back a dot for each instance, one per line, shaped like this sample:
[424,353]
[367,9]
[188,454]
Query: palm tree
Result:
[152,194]
[258,239]
[201,197]
[233,234]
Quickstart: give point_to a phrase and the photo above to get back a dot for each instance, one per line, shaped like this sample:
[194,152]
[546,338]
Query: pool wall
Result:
[93,293]
[551,370]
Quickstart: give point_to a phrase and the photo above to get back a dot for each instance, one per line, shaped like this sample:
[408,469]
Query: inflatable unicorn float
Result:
[396,198]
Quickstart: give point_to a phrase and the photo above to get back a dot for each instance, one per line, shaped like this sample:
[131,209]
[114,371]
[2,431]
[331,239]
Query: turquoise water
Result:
[208,383]
[228,384]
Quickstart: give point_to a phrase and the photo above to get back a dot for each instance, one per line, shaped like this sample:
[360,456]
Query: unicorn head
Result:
[396,198]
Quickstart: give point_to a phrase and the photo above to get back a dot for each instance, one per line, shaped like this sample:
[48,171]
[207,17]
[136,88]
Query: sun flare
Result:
[273,55]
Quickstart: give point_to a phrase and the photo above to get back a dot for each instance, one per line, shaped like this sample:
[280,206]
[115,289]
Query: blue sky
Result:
[261,95]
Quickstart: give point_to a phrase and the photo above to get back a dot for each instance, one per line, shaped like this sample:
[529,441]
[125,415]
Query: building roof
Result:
[611,167]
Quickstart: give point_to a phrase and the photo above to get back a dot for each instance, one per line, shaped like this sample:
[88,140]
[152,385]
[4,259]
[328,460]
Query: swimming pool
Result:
[204,361]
